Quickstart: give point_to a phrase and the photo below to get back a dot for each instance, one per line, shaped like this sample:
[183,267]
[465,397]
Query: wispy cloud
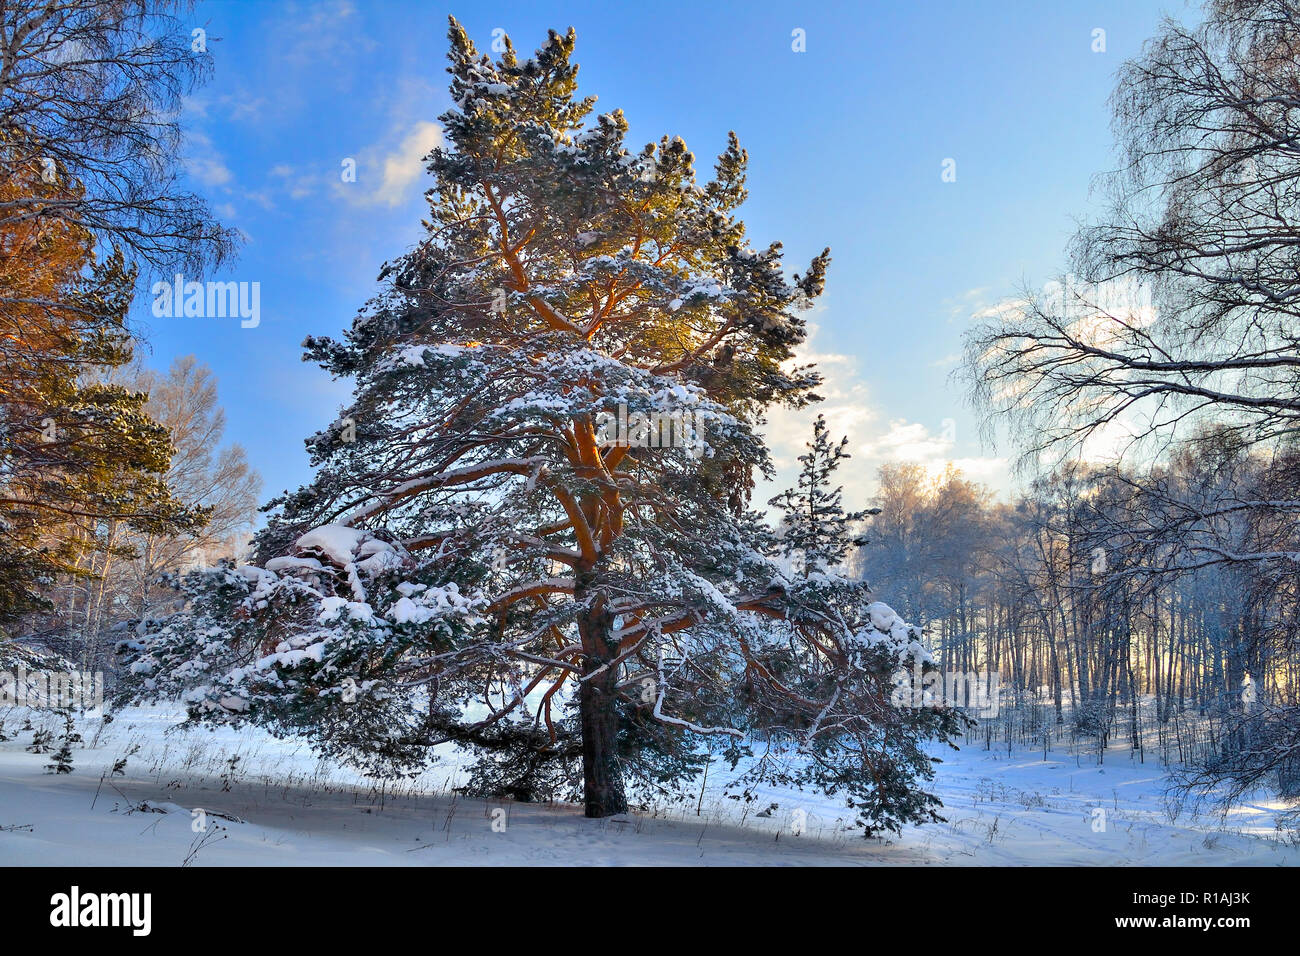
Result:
[205,162]
[846,404]
[383,174]
[403,166]
[328,32]
[916,443]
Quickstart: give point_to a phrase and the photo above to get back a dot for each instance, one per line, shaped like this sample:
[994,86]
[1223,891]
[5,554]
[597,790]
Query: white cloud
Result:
[261,197]
[914,442]
[403,166]
[960,306]
[1111,442]
[323,32]
[1104,315]
[846,404]
[204,161]
[386,172]
[849,411]
[1007,308]
[906,441]
[242,107]
[994,472]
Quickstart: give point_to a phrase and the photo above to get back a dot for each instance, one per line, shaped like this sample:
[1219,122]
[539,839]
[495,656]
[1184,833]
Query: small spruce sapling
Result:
[62,760]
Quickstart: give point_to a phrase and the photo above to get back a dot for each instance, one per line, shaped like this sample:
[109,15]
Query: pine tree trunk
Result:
[598,714]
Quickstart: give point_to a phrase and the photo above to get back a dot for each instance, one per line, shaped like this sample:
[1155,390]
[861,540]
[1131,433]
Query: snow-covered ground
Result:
[278,805]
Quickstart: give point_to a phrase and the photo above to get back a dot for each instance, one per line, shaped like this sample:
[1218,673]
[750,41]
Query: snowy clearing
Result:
[278,805]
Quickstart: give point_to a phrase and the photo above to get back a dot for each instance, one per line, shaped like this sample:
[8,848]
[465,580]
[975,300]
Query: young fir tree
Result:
[875,749]
[529,533]
[815,524]
[62,759]
[42,741]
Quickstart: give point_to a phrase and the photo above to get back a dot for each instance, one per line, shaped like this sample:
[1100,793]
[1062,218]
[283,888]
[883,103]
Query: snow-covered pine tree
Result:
[529,533]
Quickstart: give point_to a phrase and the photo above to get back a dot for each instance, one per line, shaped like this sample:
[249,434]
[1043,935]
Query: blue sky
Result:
[847,143]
